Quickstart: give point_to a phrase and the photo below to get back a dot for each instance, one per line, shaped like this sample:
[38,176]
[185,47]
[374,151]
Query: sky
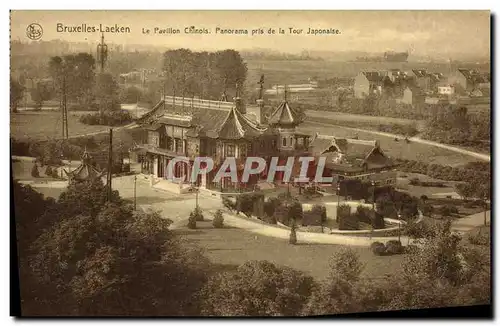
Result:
[442,33]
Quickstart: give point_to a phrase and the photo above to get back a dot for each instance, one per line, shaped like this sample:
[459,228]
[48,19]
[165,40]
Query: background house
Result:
[369,82]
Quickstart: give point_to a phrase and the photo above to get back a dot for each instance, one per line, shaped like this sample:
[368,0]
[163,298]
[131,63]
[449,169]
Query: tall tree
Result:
[16,94]
[41,93]
[106,92]
[74,75]
[231,69]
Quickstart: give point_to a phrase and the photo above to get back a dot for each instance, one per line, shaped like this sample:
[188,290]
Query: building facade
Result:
[218,132]
[354,159]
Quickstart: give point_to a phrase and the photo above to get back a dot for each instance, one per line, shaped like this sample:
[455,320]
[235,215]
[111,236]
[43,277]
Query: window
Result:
[229,150]
[300,141]
[291,141]
[284,141]
[178,145]
[153,138]
[243,150]
[170,143]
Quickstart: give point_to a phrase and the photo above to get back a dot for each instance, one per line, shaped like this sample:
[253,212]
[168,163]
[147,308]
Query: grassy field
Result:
[399,149]
[298,71]
[41,125]
[230,246]
[346,117]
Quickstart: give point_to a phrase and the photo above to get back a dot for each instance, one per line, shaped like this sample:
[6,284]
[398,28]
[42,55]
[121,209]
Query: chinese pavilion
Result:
[218,130]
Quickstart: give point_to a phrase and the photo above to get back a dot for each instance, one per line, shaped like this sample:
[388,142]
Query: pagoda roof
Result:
[237,126]
[284,115]
[85,171]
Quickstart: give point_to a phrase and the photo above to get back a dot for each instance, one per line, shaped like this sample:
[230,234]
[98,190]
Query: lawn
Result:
[42,125]
[230,246]
[396,149]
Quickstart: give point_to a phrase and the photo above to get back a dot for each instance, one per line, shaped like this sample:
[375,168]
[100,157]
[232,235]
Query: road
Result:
[480,156]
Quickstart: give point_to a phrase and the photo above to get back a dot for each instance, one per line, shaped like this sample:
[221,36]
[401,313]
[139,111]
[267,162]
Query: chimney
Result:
[237,100]
[262,116]
[239,105]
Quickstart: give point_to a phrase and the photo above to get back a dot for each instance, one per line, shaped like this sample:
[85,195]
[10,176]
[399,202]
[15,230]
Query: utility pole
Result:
[110,163]
[399,226]
[65,108]
[102,53]
[373,195]
[485,208]
[135,192]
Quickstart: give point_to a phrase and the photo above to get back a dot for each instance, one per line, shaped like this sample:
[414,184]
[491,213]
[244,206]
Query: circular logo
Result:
[34,31]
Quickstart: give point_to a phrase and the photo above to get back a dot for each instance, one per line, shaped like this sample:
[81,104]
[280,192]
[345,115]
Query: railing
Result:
[197,103]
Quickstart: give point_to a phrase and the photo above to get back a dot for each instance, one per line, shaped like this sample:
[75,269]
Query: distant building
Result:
[294,88]
[469,79]
[354,159]
[421,78]
[412,96]
[446,90]
[369,82]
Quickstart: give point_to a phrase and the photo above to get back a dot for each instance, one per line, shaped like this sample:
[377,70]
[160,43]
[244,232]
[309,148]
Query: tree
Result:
[95,266]
[130,94]
[337,294]
[465,190]
[257,288]
[74,75]
[16,94]
[34,171]
[41,93]
[85,198]
[293,234]
[106,93]
[231,68]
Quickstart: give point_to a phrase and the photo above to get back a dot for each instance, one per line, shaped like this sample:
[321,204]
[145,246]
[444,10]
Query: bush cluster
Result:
[346,220]
[107,118]
[392,247]
[218,221]
[315,217]
[418,182]
[447,173]
[447,210]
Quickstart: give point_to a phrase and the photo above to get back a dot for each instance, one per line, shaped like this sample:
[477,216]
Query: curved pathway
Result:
[480,156]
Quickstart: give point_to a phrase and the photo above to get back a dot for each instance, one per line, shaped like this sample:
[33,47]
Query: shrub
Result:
[316,216]
[414,181]
[469,204]
[218,221]
[34,171]
[108,118]
[394,247]
[198,214]
[293,235]
[378,248]
[270,205]
[480,238]
[48,171]
[348,222]
[447,210]
[364,214]
[55,174]
[245,204]
[378,221]
[427,209]
[228,203]
[192,221]
[281,214]
[270,219]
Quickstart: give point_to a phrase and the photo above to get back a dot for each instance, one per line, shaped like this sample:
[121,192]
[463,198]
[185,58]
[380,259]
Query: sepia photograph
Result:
[245,163]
